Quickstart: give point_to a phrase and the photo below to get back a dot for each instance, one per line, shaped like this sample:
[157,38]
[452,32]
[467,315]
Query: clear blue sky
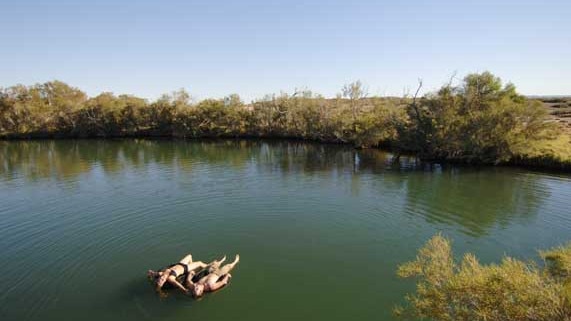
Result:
[254,47]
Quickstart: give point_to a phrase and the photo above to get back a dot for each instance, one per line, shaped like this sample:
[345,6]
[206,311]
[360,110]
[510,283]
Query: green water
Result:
[320,228]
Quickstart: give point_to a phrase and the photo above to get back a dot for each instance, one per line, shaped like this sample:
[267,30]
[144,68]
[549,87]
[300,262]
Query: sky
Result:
[254,47]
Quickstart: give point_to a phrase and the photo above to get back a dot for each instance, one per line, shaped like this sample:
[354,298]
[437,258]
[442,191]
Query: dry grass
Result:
[559,109]
[552,153]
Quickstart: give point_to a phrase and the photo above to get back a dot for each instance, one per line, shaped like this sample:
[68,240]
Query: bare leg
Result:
[220,261]
[228,267]
[193,266]
[213,277]
[216,263]
[186,260]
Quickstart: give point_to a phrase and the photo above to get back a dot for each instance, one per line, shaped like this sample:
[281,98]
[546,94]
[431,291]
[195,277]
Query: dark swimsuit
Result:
[173,273]
[200,275]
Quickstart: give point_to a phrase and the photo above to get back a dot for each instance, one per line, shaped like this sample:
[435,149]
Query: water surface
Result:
[320,228]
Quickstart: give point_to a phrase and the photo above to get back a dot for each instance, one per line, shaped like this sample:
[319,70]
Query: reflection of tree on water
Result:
[303,157]
[67,159]
[475,199]
[41,159]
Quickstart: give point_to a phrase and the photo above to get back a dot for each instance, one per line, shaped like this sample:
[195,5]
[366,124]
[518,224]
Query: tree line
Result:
[479,120]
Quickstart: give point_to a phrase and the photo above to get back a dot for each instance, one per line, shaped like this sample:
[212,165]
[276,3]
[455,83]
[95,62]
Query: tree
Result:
[167,110]
[480,120]
[468,290]
[355,92]
[102,116]
[62,102]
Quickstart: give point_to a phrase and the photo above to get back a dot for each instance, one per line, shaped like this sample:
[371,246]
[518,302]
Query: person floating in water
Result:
[174,271]
[216,277]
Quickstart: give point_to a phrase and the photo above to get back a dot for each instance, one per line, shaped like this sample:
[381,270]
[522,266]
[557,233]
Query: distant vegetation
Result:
[478,121]
[448,289]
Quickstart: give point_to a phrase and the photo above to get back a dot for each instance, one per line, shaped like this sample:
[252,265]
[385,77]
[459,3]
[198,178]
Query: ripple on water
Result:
[86,238]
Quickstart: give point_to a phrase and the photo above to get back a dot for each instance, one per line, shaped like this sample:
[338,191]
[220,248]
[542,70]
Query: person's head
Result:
[198,290]
[161,279]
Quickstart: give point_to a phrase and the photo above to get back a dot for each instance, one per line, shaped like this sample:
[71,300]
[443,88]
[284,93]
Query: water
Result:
[320,228]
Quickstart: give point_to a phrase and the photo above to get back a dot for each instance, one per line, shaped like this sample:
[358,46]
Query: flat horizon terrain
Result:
[559,108]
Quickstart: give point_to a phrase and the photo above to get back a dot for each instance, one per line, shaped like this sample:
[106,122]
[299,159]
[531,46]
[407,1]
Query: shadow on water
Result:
[137,300]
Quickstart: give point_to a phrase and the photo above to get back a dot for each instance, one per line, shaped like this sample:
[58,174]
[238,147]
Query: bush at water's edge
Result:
[479,120]
[448,289]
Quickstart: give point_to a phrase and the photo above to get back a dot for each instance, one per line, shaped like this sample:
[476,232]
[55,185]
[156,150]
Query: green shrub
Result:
[481,120]
[468,290]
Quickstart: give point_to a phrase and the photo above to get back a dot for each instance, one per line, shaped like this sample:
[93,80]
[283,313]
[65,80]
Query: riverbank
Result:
[479,121]
[544,164]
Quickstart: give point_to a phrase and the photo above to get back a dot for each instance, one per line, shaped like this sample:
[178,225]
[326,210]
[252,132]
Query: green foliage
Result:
[480,120]
[41,108]
[558,261]
[469,290]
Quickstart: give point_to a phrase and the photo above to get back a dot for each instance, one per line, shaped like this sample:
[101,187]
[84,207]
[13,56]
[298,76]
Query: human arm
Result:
[153,274]
[197,265]
[221,283]
[172,280]
[189,277]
